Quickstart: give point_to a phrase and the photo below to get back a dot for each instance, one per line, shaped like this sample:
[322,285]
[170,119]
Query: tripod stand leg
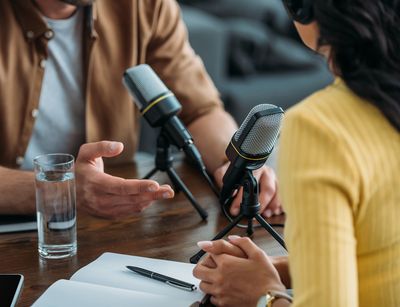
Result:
[182,187]
[174,182]
[151,173]
[271,231]
[220,235]
[250,227]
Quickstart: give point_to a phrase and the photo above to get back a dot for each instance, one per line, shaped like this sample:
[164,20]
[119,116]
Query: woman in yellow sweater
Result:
[339,174]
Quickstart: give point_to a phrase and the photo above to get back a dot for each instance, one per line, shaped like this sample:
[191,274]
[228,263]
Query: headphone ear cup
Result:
[307,13]
[300,10]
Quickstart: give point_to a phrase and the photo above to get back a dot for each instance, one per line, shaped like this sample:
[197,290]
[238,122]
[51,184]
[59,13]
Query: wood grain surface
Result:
[166,230]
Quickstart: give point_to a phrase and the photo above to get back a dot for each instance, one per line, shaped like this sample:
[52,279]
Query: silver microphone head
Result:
[265,121]
[142,79]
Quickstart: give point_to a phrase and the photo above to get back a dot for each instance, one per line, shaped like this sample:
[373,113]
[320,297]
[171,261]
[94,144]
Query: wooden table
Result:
[166,230]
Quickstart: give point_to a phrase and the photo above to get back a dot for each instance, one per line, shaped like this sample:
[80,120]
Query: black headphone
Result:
[300,10]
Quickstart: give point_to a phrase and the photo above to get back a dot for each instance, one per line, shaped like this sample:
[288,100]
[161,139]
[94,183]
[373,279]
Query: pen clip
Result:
[176,285]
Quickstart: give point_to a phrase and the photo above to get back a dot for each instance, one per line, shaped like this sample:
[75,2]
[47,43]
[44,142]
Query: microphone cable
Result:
[225,210]
[225,207]
[210,183]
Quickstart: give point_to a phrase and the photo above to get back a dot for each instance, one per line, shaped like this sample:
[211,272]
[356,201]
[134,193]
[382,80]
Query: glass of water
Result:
[55,205]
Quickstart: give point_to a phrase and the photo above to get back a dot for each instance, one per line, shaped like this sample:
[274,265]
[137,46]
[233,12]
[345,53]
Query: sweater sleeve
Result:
[318,187]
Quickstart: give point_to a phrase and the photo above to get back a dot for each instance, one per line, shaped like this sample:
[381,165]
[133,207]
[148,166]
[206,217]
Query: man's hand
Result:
[268,197]
[237,280]
[108,196]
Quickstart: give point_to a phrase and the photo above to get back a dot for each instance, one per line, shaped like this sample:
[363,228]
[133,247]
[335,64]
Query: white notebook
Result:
[107,282]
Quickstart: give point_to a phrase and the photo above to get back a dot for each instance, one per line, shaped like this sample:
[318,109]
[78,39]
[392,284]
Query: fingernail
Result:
[167,195]
[268,213]
[204,244]
[152,188]
[277,211]
[113,146]
[233,237]
[235,211]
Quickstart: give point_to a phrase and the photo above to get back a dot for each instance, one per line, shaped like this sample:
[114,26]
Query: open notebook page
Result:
[66,293]
[109,270]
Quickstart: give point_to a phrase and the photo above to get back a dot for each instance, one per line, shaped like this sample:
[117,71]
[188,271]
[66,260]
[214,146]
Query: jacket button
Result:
[30,34]
[49,34]
[19,160]
[35,113]
[42,63]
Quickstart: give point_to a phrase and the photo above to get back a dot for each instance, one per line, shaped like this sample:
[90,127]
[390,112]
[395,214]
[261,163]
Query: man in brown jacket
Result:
[61,65]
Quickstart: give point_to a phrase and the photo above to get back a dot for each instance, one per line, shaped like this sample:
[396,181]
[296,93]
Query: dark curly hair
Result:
[364,36]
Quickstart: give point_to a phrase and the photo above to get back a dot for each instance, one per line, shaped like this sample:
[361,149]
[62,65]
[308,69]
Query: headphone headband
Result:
[300,10]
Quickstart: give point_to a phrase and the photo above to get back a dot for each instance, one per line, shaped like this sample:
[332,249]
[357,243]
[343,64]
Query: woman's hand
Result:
[218,247]
[236,280]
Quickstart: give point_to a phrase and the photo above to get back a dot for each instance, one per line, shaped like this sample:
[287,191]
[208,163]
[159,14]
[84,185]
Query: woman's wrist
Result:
[278,298]
[275,299]
[272,282]
[281,265]
[281,302]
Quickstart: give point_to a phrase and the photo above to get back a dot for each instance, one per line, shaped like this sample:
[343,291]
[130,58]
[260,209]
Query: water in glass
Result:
[56,213]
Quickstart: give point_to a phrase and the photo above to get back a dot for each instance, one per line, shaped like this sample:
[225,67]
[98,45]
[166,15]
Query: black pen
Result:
[165,279]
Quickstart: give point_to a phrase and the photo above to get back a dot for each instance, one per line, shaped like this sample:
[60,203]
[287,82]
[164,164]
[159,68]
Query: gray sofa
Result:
[285,74]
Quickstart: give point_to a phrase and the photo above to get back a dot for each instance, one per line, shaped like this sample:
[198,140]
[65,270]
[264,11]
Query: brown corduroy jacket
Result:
[118,35]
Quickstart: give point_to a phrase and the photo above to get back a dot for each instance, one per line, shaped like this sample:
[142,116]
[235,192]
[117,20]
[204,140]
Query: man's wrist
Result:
[221,169]
[223,163]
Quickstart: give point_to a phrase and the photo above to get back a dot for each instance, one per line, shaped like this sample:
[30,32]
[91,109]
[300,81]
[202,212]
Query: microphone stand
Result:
[163,163]
[249,208]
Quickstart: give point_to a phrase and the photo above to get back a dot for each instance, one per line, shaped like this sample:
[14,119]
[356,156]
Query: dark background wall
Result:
[253,54]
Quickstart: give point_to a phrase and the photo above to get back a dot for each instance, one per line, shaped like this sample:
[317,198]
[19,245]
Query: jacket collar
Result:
[33,24]
[91,18]
[30,19]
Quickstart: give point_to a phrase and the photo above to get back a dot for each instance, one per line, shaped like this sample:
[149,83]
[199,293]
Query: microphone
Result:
[251,146]
[248,150]
[159,107]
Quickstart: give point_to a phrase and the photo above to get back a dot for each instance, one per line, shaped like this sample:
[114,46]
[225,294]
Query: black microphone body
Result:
[250,146]
[181,138]
[236,171]
[160,107]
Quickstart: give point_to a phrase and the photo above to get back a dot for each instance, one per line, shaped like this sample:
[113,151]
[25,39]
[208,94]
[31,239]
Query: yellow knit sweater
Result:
[339,171]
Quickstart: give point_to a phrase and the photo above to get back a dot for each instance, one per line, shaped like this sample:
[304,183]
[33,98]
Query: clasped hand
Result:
[236,273]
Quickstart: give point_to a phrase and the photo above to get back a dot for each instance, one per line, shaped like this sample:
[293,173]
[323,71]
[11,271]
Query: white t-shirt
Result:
[60,121]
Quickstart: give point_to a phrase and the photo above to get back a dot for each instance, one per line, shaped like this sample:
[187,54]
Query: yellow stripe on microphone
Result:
[248,158]
[156,101]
